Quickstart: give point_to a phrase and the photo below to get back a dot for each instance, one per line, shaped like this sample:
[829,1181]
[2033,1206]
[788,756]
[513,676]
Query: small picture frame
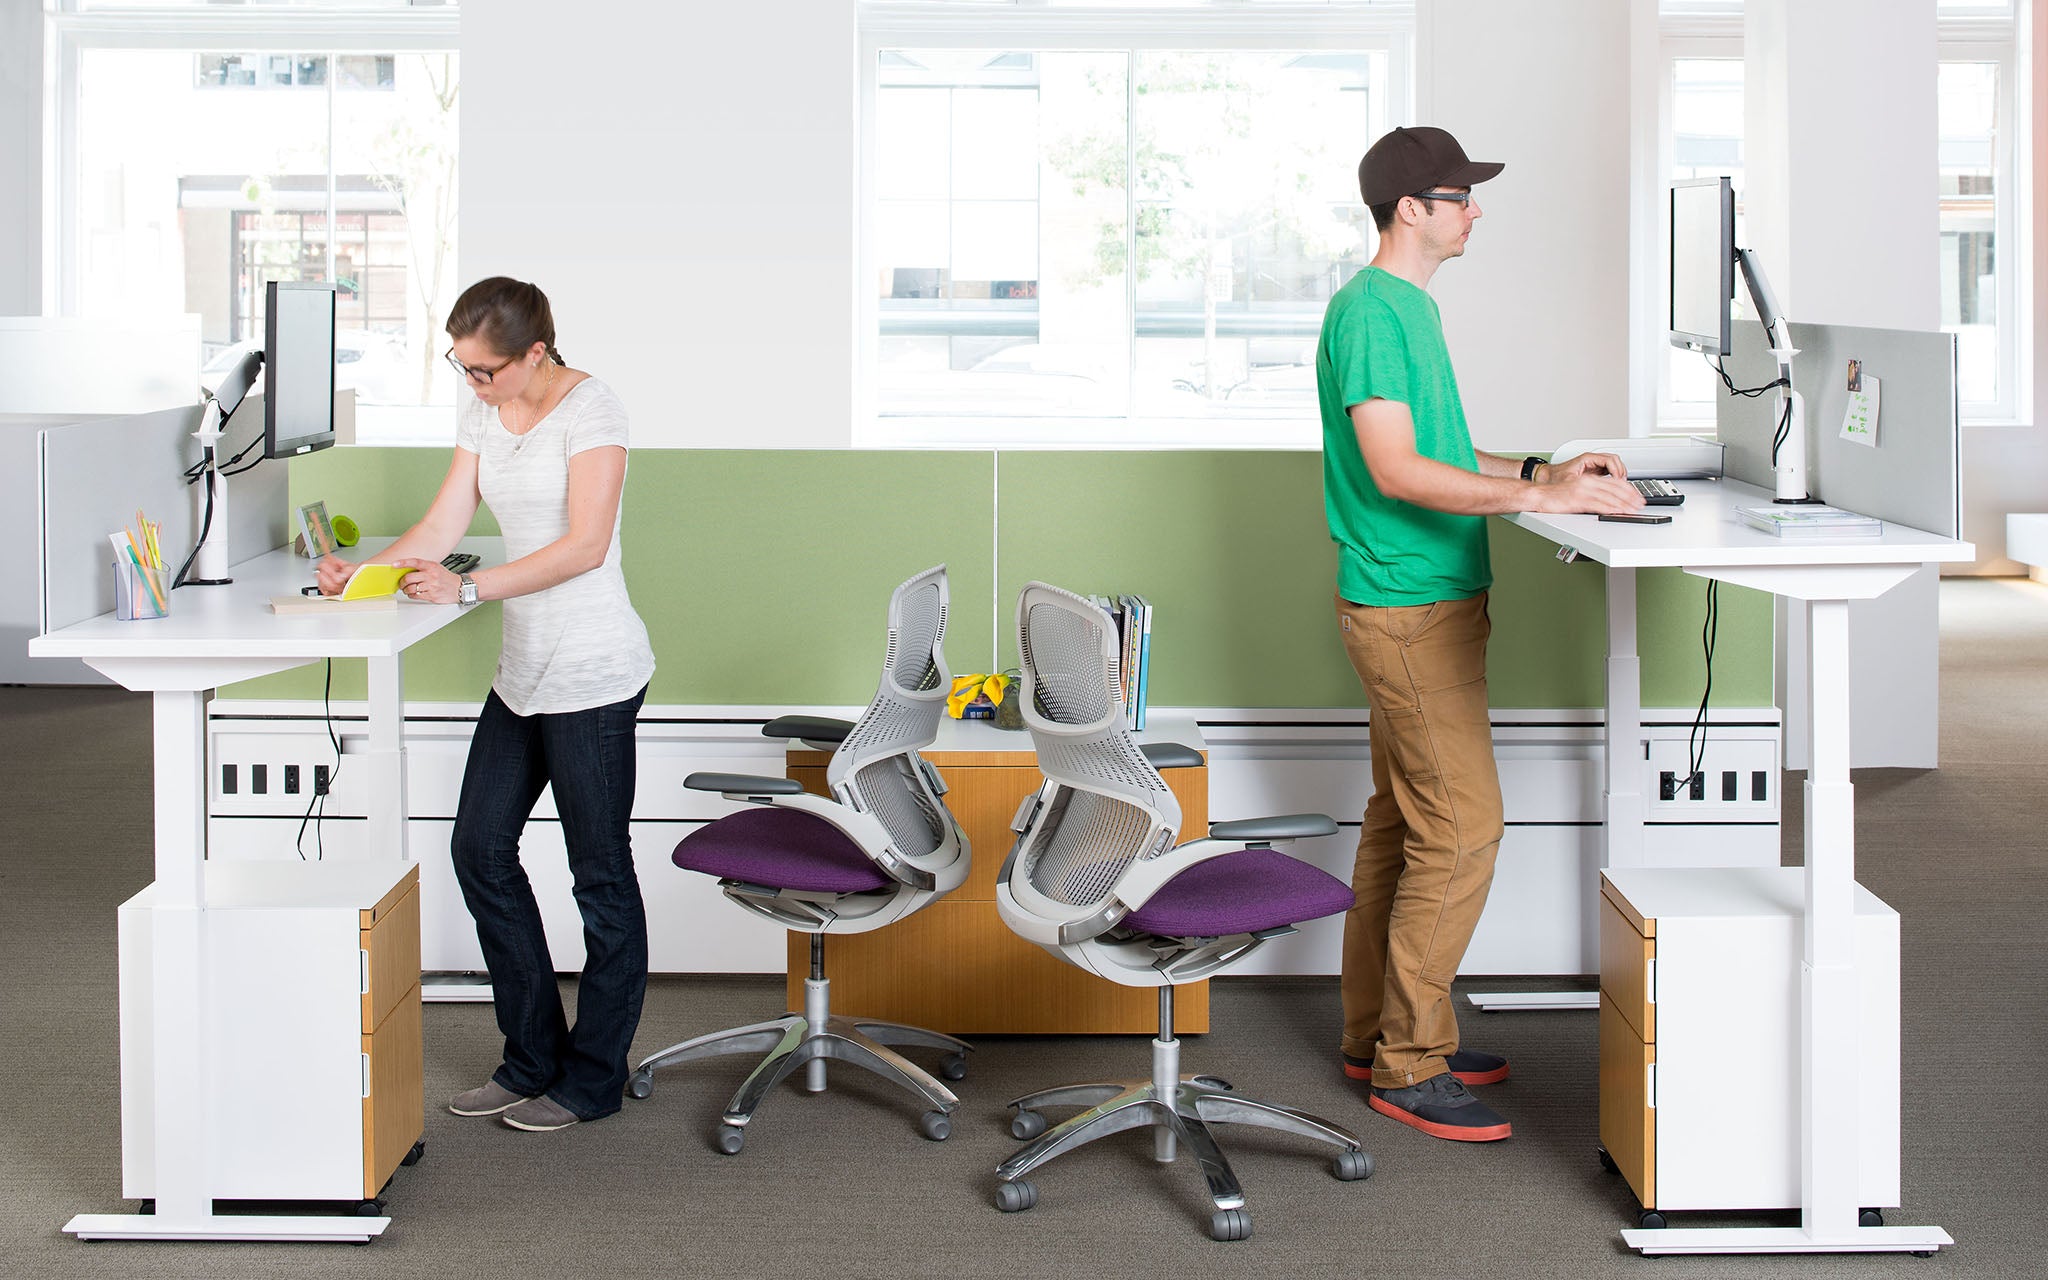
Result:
[315,531]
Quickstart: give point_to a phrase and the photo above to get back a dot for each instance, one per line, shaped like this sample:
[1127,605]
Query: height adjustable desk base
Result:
[1787,1240]
[221,1226]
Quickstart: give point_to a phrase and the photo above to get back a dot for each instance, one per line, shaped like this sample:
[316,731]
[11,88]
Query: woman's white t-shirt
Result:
[577,644]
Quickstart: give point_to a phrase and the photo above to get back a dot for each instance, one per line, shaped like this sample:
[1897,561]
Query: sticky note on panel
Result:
[1859,418]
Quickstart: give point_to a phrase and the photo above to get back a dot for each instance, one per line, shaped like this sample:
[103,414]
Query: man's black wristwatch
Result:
[1529,466]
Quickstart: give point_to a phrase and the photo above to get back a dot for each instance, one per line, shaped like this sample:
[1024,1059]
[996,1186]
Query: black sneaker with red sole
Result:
[1442,1108]
[1469,1065]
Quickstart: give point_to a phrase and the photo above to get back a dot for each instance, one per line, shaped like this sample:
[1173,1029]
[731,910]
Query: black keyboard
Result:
[1658,493]
[460,562]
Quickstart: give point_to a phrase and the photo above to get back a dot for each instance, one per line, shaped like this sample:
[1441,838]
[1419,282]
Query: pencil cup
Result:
[140,593]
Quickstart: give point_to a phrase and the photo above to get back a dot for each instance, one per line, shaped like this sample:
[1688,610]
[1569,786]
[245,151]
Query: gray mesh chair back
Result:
[877,769]
[1109,806]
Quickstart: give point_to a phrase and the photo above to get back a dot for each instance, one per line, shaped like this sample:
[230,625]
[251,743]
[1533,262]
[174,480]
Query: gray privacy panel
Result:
[96,474]
[1911,477]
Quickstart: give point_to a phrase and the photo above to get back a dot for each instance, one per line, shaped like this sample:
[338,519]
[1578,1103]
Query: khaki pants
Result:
[1427,844]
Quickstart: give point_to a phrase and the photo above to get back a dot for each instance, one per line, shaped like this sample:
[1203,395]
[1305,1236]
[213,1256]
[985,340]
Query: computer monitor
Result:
[298,360]
[1702,264]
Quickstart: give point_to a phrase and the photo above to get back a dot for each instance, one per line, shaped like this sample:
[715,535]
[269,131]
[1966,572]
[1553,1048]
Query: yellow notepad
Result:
[374,581]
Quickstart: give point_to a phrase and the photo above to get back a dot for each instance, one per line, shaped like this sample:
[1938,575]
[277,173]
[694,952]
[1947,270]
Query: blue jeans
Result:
[589,757]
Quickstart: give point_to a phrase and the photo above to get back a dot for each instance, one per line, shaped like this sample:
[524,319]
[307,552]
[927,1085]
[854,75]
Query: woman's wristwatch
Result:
[467,595]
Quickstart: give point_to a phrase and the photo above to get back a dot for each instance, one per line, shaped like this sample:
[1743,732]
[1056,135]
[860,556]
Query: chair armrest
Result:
[808,728]
[743,784]
[1171,755]
[1285,826]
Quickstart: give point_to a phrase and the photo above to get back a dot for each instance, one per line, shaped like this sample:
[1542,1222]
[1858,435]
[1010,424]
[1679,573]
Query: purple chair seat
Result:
[782,849]
[1240,892]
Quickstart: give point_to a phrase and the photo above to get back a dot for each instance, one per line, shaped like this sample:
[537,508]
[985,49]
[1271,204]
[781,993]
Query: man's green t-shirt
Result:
[1383,339]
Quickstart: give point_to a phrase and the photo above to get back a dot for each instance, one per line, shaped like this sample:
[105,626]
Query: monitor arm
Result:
[1788,458]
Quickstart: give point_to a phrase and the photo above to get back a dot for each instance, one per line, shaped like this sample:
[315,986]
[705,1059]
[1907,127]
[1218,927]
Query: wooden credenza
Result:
[954,966]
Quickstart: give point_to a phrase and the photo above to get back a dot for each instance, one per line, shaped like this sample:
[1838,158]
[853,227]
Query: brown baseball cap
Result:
[1408,160]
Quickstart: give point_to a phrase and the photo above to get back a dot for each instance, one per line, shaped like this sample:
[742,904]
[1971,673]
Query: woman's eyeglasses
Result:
[476,372]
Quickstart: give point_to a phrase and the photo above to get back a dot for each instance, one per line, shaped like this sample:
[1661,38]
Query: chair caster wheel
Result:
[953,1066]
[935,1125]
[640,1083]
[369,1208]
[1015,1197]
[1650,1220]
[412,1157]
[1214,1082]
[146,1207]
[730,1138]
[1870,1218]
[1352,1166]
[1923,1253]
[1230,1224]
[1026,1125]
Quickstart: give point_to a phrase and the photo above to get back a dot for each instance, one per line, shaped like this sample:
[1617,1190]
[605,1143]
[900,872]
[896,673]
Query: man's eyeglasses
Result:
[1459,198]
[478,372]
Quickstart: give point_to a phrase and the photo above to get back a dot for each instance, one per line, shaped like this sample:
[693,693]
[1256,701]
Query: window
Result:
[1701,105]
[1981,193]
[1117,232]
[202,155]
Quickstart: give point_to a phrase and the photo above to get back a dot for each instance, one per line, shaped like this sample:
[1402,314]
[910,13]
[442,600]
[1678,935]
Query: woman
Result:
[545,446]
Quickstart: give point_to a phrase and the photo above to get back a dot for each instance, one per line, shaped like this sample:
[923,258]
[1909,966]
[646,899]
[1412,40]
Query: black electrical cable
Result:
[320,793]
[1696,741]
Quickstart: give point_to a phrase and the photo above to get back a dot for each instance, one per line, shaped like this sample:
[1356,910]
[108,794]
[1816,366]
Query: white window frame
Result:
[73,30]
[1340,26]
[1996,39]
[1706,31]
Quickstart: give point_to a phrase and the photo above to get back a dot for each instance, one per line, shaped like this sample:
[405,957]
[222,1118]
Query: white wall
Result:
[679,178]
[1843,200]
[21,159]
[1537,311]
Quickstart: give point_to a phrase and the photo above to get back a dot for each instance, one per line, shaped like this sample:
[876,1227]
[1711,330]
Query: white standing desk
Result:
[1706,538]
[213,636]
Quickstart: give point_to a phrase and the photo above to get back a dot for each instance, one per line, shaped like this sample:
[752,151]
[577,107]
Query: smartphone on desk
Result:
[1642,518]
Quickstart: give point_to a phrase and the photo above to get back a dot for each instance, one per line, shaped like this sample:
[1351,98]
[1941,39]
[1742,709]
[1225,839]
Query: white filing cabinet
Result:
[311,1030]
[1699,1037]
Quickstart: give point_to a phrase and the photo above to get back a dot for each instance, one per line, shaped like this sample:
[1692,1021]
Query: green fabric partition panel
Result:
[763,577]
[1233,552]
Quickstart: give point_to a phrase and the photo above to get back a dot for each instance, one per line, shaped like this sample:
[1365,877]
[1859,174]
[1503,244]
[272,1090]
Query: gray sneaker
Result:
[1441,1107]
[539,1115]
[486,1101]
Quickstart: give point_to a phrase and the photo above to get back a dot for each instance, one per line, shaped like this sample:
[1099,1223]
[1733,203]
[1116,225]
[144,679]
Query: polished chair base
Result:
[796,1040]
[1179,1109]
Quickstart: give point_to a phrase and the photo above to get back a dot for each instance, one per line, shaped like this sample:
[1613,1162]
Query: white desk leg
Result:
[1828,1153]
[180,1116]
[385,759]
[1829,1159]
[1624,726]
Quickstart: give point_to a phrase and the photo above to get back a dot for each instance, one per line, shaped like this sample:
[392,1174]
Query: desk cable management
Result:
[1784,427]
[318,801]
[1696,741]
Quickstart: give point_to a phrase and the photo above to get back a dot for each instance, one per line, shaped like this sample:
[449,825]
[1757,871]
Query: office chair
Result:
[1096,879]
[883,846]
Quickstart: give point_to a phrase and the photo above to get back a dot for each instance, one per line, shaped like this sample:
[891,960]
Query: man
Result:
[1407,496]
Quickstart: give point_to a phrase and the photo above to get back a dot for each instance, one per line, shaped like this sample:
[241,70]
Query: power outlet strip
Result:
[1737,781]
[269,774]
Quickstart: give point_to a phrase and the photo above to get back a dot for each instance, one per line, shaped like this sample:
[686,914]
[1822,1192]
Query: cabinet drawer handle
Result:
[363,972]
[366,1075]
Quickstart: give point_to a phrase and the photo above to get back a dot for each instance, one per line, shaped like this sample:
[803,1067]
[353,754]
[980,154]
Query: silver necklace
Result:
[520,438]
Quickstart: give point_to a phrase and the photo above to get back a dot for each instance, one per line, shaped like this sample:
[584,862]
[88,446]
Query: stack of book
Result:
[1132,618]
[1802,520]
